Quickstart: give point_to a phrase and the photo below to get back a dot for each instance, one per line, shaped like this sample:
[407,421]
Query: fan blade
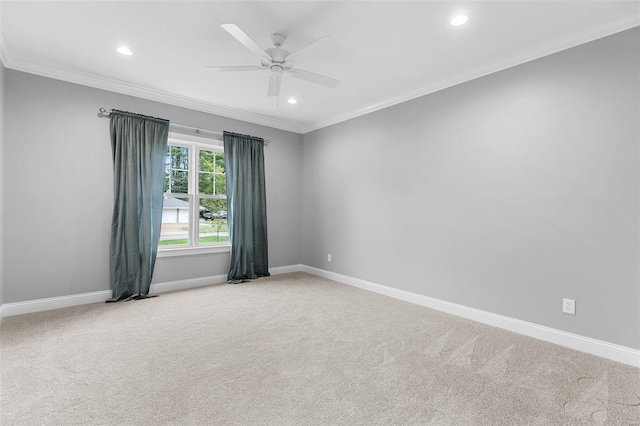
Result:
[315,78]
[241,68]
[324,42]
[243,38]
[274,84]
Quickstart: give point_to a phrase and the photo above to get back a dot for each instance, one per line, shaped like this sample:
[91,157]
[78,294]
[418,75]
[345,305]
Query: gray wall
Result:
[58,188]
[506,193]
[2,71]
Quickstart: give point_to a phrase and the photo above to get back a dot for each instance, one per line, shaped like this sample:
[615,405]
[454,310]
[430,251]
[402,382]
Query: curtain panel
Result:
[138,144]
[246,207]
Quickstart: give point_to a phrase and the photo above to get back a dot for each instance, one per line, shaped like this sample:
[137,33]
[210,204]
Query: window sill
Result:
[192,251]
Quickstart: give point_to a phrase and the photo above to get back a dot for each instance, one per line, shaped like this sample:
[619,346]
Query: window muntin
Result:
[195,206]
[175,221]
[176,170]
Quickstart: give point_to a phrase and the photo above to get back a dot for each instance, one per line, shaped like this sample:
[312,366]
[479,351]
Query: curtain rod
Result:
[179,127]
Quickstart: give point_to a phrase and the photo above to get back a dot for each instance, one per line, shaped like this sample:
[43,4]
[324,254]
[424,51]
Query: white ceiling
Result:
[384,53]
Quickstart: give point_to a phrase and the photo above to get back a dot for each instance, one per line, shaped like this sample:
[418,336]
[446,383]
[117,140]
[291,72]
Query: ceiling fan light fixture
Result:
[459,19]
[124,50]
[292,101]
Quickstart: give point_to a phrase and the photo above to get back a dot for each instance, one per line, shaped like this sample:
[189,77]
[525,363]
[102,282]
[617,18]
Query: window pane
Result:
[213,221]
[206,161]
[221,184]
[205,183]
[220,179]
[178,157]
[179,182]
[219,162]
[176,177]
[175,222]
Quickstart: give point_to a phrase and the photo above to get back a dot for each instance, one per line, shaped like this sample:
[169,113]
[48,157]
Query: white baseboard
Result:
[285,269]
[574,341]
[38,305]
[596,347]
[188,283]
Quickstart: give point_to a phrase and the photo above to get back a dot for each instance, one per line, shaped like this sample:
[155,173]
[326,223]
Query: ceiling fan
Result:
[276,60]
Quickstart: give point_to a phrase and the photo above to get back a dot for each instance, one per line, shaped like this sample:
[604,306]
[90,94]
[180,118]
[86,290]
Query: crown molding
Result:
[563,42]
[566,41]
[146,93]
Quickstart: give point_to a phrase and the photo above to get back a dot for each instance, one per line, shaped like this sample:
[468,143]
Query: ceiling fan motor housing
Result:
[278,39]
[278,55]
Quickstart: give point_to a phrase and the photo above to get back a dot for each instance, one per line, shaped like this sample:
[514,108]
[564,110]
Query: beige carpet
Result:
[295,349]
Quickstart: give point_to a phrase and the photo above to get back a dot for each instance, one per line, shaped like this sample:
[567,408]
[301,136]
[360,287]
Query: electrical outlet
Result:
[569,306]
[329,257]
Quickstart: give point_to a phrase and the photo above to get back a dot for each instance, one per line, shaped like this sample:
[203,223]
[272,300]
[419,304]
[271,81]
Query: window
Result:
[194,212]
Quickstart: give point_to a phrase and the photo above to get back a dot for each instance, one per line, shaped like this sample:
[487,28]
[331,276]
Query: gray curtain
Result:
[139,144]
[246,207]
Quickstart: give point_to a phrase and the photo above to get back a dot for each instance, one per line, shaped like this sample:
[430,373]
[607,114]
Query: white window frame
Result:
[194,144]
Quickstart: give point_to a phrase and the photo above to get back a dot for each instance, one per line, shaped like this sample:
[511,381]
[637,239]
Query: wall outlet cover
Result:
[569,306]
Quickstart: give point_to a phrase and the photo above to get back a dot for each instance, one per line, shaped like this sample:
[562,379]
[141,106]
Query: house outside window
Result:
[194,213]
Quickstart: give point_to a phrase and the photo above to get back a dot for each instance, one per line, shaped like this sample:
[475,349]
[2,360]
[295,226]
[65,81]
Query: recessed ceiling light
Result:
[460,19]
[292,101]
[124,51]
